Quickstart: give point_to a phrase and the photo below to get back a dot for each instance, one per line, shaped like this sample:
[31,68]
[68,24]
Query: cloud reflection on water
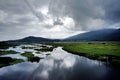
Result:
[60,65]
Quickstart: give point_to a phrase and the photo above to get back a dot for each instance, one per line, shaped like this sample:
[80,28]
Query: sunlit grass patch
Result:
[31,57]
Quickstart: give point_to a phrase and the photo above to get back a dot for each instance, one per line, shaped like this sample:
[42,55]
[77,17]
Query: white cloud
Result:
[56,18]
[68,22]
[44,10]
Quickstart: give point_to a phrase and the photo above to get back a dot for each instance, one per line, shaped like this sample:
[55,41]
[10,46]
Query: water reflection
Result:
[64,66]
[16,56]
[19,71]
[20,50]
[60,65]
[27,48]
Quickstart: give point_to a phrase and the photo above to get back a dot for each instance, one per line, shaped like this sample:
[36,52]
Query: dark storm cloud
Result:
[30,15]
[13,6]
[82,11]
[112,9]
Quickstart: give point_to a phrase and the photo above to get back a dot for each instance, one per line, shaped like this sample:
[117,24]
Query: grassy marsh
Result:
[45,49]
[103,51]
[7,52]
[31,57]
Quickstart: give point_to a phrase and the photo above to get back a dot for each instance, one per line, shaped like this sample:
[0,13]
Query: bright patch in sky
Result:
[68,22]
[44,10]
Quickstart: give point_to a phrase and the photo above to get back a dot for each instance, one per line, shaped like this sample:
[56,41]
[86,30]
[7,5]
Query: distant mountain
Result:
[33,39]
[98,35]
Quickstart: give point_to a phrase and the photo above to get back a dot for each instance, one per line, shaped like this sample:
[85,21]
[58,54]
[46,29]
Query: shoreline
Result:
[113,60]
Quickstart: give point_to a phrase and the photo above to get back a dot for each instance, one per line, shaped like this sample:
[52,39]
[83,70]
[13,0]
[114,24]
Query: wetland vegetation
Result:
[6,61]
[5,45]
[31,57]
[66,54]
[29,51]
[45,49]
[102,51]
[7,52]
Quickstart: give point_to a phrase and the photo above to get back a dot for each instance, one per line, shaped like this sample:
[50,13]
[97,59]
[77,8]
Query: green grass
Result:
[27,54]
[45,49]
[4,45]
[7,52]
[31,57]
[94,48]
[27,47]
[15,61]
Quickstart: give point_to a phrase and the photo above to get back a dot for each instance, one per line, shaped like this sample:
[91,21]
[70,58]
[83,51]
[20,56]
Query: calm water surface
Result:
[60,65]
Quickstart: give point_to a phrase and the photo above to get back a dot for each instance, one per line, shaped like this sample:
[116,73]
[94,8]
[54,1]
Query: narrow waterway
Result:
[60,65]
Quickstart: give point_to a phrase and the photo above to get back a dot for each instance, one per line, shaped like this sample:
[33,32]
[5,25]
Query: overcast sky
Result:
[56,18]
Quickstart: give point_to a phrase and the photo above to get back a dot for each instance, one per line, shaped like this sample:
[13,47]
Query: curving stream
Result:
[60,65]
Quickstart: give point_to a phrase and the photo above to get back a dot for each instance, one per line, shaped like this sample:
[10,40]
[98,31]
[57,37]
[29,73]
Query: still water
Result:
[60,65]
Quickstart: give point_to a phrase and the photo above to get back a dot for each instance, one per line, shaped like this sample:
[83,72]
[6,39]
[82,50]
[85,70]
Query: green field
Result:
[92,48]
[103,51]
